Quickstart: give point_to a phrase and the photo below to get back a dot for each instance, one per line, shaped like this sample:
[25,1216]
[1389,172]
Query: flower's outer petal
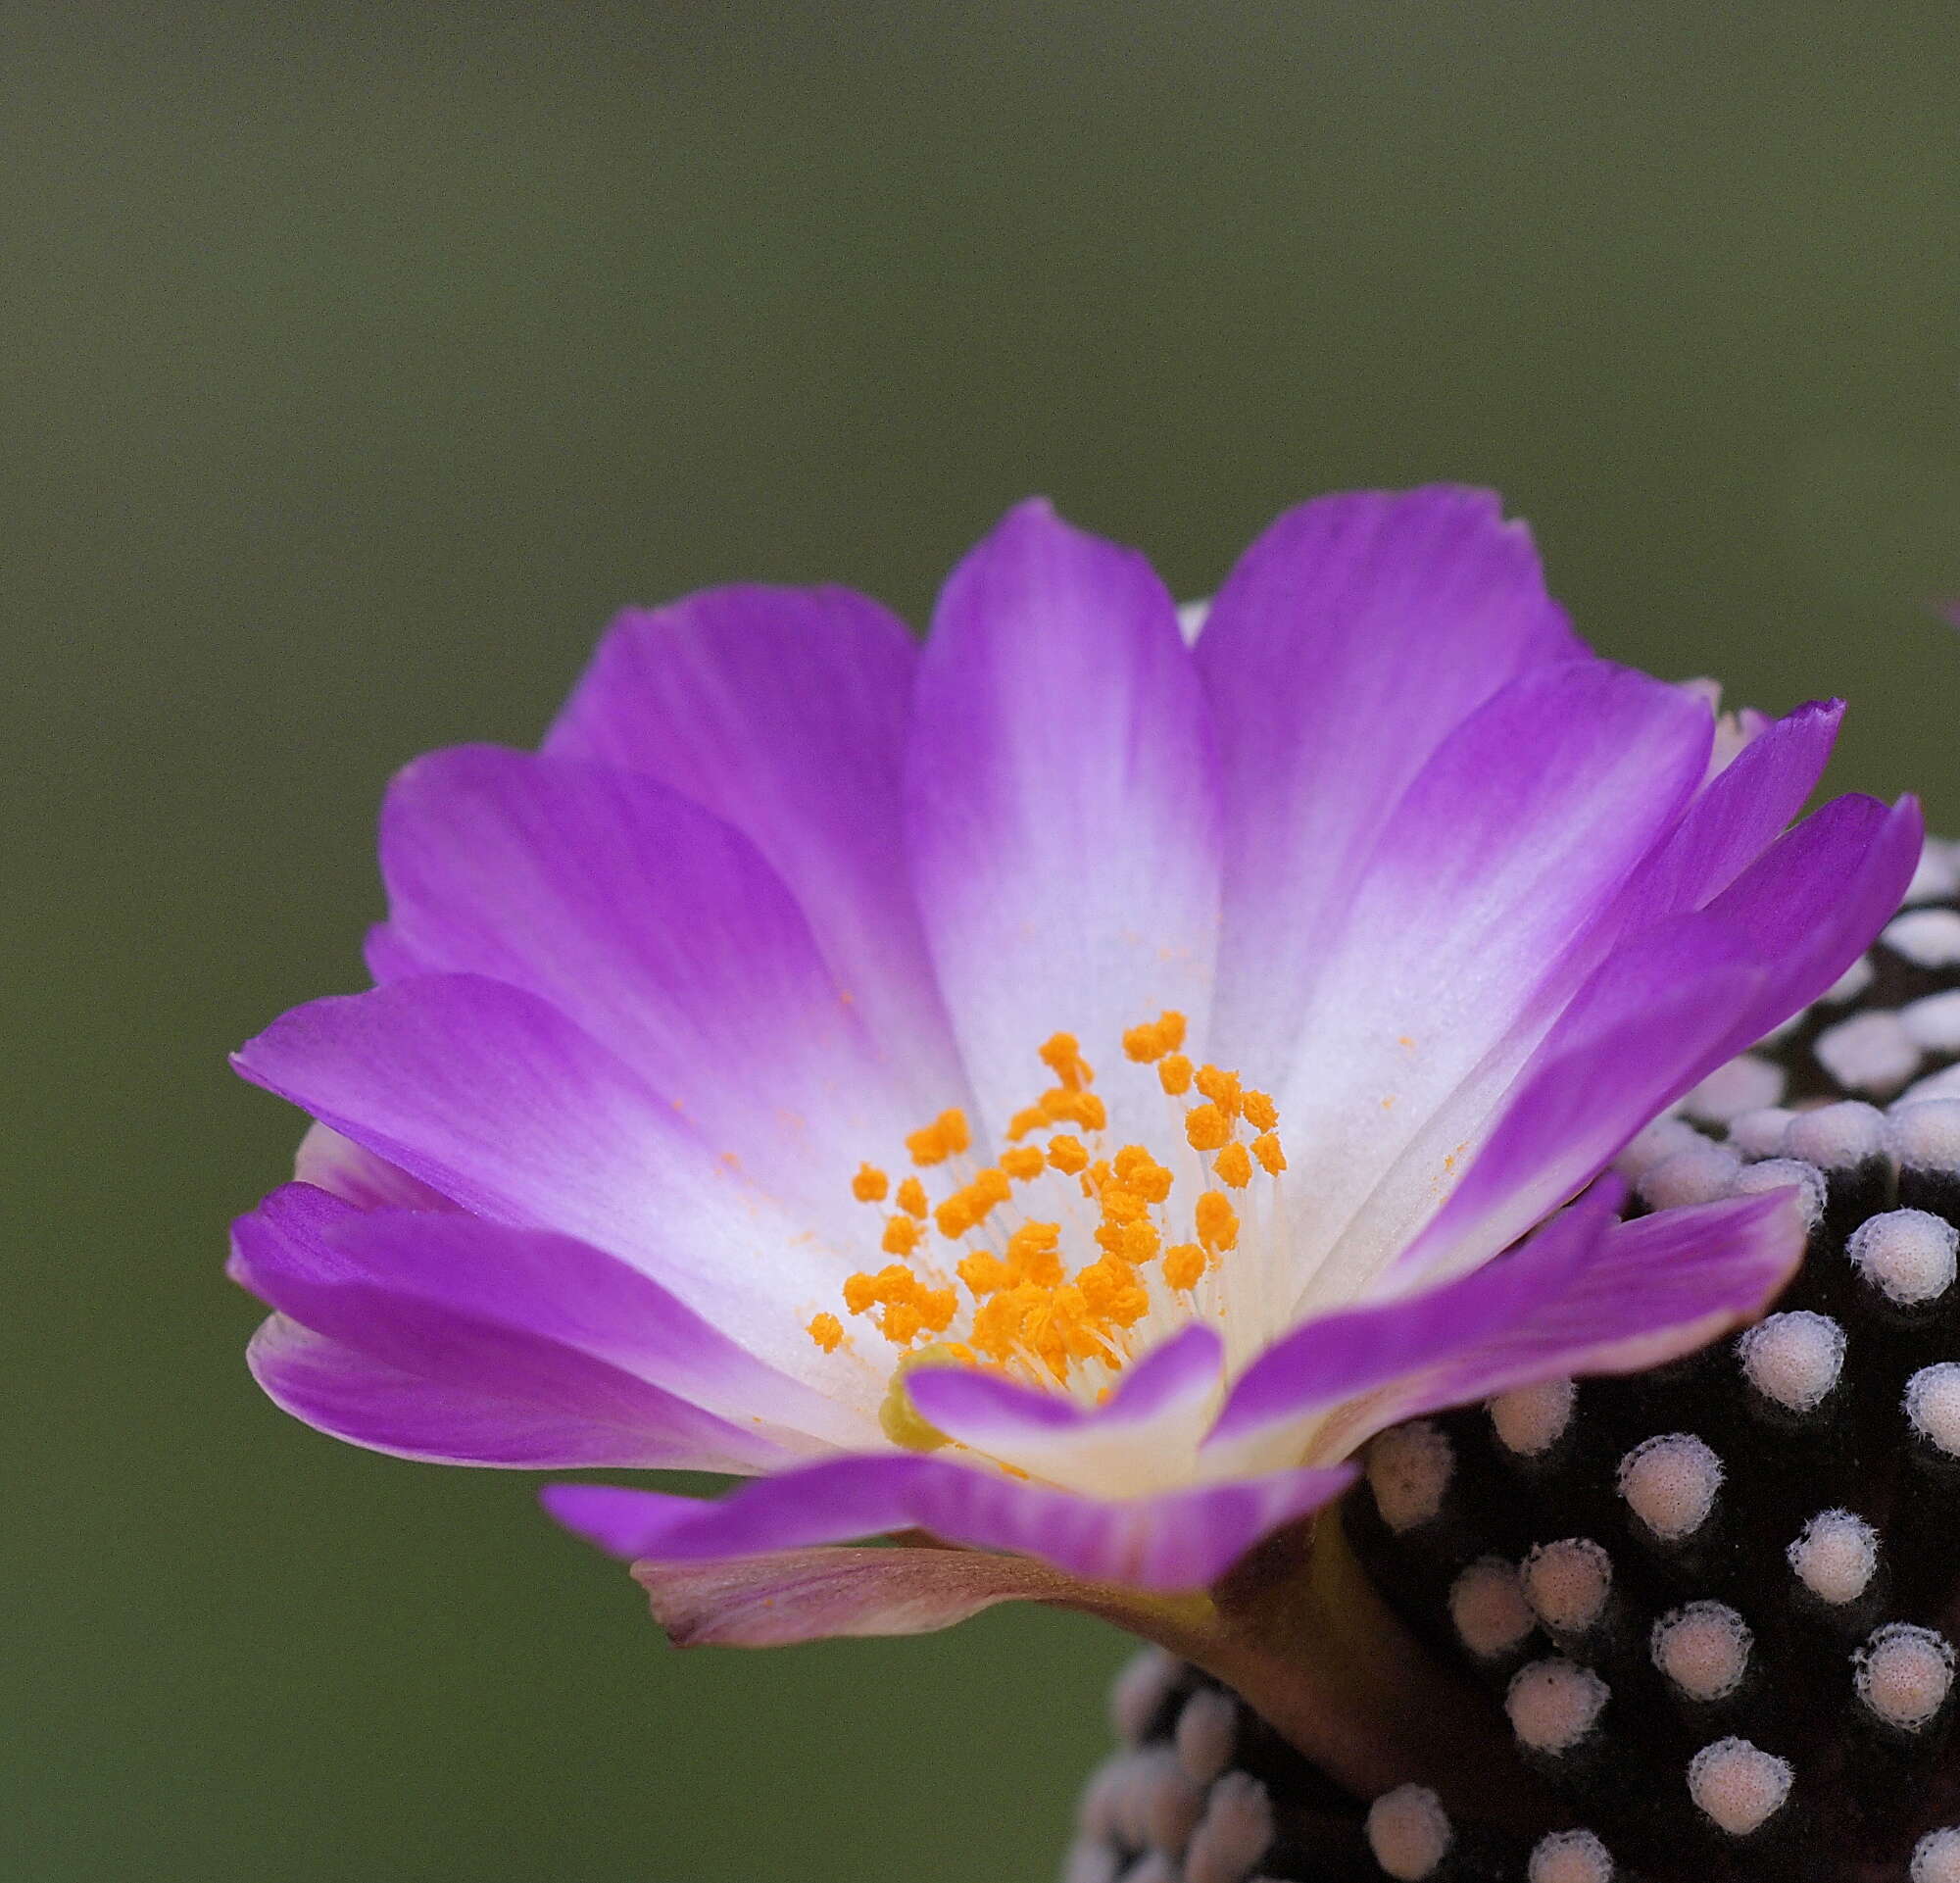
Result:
[1736,817]
[342,1169]
[339,1390]
[783,710]
[388,957]
[1347,644]
[495,1099]
[425,1292]
[1183,1540]
[1587,1294]
[542,1362]
[660,929]
[1473,915]
[1063,810]
[1667,1008]
[1141,1440]
[818,1595]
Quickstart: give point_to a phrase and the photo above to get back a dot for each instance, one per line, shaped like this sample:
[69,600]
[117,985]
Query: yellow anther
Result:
[989,1186]
[1155,1038]
[1122,1206]
[1205,1127]
[860,1292]
[953,1216]
[984,1274]
[1139,1241]
[911,1197]
[1174,1074]
[1221,1088]
[1234,1166]
[1023,1163]
[901,1237]
[1267,1148]
[1067,1155]
[900,1323]
[870,1184]
[945,1137]
[1061,1054]
[1024,1121]
[1217,1221]
[1184,1265]
[894,1283]
[828,1332]
[1091,1113]
[1261,1114]
[937,1308]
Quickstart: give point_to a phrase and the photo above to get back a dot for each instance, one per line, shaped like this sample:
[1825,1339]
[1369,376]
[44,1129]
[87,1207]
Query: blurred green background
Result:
[359,359]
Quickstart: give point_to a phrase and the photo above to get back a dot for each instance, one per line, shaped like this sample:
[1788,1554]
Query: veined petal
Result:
[494,1098]
[1472,917]
[553,1386]
[1587,1294]
[660,929]
[783,710]
[455,1297]
[818,1595]
[342,1169]
[1352,638]
[1062,806]
[1670,1006]
[1183,1540]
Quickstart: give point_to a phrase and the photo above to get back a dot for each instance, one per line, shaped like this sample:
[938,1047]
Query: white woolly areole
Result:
[1698,1173]
[1933,1024]
[1660,1139]
[1925,937]
[1943,1084]
[1745,1084]
[1925,1133]
[1570,1856]
[1410,1832]
[1850,983]
[1907,1254]
[1784,1174]
[1533,1419]
[1409,1468]
[1836,1557]
[1489,1609]
[1935,1857]
[1933,1405]
[1837,1137]
[1869,1053]
[1670,1484]
[1567,1583]
[1904,1674]
[1933,879]
[1207,1728]
[1793,1359]
[1139,1691]
[1234,1832]
[1552,1704]
[1759,1135]
[1736,1786]
[1703,1648]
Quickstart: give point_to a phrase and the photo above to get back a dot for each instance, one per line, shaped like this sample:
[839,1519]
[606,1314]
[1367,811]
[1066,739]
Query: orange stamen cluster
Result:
[1008,1295]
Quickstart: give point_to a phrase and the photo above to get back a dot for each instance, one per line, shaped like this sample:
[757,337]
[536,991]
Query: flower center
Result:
[992,1262]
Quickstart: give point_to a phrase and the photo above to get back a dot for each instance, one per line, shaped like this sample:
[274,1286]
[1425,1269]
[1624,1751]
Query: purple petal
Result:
[554,1376]
[423,1292]
[1062,808]
[1584,1294]
[1673,1003]
[1352,638]
[495,1099]
[660,929]
[818,1595]
[783,711]
[342,1169]
[1183,1540]
[1469,928]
